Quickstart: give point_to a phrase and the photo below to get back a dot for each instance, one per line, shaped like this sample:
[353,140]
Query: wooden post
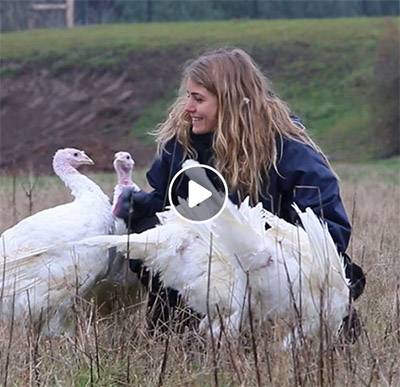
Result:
[68,7]
[69,13]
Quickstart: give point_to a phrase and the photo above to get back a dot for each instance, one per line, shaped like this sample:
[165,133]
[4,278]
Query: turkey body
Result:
[289,281]
[39,285]
[89,214]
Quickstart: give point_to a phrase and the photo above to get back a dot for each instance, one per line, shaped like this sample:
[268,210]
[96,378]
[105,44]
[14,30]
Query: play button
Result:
[197,193]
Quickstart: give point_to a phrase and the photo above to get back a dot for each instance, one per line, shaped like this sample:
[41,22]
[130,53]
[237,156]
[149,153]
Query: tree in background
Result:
[385,97]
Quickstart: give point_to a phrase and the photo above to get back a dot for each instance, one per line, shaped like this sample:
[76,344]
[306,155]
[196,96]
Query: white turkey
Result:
[120,285]
[66,222]
[286,266]
[123,166]
[294,273]
[45,284]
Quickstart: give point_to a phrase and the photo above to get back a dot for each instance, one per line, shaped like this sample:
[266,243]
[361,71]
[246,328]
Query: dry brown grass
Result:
[117,350]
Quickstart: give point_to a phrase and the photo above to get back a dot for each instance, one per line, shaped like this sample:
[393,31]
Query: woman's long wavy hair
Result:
[251,118]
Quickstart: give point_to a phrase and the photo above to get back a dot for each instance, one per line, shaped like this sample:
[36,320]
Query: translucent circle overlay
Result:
[173,206]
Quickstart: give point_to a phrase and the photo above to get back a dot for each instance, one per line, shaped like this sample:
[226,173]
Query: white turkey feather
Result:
[48,283]
[322,245]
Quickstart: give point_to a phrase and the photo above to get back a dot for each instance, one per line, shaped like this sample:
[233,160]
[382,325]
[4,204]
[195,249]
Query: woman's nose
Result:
[190,106]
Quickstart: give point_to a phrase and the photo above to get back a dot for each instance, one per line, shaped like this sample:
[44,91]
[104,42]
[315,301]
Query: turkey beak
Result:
[86,160]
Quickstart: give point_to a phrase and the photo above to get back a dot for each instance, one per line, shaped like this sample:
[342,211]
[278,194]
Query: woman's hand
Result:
[131,203]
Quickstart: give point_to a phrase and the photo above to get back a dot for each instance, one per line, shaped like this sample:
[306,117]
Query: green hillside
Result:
[324,68]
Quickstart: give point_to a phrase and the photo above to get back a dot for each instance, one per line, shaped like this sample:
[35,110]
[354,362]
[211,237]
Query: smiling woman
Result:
[228,116]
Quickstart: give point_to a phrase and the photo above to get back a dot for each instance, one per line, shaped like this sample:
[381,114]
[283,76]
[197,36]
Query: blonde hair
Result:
[250,119]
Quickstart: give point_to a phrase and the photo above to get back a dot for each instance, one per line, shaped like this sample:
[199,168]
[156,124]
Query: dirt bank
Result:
[42,110]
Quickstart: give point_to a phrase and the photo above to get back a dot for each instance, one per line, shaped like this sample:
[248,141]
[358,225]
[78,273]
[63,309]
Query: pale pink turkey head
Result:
[123,164]
[70,159]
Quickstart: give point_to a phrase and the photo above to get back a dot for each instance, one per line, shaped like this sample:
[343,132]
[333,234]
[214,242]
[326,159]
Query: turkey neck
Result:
[78,184]
[124,180]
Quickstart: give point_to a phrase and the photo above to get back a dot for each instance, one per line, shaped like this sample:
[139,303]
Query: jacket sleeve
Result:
[307,180]
[158,177]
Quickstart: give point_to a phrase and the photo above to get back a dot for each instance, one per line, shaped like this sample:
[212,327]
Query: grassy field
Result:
[115,349]
[323,68]
[113,39]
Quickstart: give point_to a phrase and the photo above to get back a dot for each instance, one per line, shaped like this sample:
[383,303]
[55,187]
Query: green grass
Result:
[118,40]
[323,68]
[385,172]
[150,117]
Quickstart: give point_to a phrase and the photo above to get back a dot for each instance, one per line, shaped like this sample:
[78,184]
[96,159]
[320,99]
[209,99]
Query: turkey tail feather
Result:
[321,243]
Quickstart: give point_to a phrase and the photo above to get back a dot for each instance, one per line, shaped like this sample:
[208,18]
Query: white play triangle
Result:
[197,194]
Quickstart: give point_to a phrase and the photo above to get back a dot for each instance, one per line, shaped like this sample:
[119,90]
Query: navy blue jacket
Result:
[303,178]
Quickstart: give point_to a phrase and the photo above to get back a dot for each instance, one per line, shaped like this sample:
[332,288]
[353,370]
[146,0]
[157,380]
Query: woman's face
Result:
[202,107]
